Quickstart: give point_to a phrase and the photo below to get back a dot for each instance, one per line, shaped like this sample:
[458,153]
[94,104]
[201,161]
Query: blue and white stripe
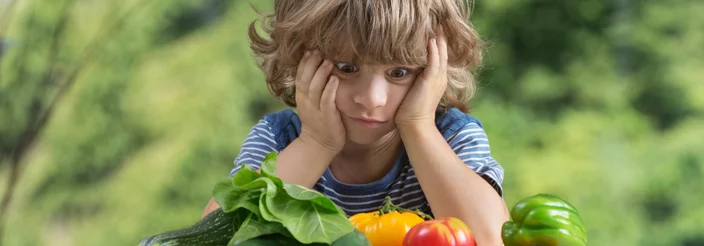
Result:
[470,143]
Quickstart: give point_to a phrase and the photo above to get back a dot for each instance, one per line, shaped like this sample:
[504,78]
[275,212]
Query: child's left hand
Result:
[418,108]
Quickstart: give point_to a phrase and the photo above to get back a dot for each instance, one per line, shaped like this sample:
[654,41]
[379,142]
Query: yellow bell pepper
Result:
[389,225]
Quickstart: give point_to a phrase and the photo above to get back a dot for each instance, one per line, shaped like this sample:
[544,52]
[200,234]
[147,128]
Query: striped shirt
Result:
[469,141]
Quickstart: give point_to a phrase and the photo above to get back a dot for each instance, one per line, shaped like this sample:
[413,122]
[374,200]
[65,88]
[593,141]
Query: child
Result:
[379,89]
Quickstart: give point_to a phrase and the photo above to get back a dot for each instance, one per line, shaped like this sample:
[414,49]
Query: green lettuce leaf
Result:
[278,208]
[253,227]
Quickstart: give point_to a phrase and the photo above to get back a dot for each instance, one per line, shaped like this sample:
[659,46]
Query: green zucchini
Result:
[215,229]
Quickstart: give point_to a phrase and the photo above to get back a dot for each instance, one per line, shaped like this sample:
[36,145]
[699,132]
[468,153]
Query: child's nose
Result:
[372,93]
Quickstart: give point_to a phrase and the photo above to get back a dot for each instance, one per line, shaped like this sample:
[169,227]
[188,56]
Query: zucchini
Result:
[215,229]
[218,227]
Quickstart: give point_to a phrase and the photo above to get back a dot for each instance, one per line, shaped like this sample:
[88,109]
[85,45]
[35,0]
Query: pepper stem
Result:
[389,207]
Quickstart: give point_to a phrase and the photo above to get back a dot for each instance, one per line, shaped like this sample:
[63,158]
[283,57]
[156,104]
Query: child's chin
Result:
[366,137]
[362,138]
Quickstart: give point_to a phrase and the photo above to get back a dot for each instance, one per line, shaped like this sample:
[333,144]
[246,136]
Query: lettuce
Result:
[264,205]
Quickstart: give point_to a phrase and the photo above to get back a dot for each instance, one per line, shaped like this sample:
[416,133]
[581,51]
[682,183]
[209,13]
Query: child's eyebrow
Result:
[342,61]
[338,59]
[356,61]
[410,66]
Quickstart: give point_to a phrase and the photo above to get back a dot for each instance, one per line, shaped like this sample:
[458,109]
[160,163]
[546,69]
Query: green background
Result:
[599,102]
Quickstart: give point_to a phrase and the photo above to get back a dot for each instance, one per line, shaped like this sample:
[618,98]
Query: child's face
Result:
[368,97]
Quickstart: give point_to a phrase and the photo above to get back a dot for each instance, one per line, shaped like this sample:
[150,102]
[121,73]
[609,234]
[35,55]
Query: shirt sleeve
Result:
[259,143]
[471,145]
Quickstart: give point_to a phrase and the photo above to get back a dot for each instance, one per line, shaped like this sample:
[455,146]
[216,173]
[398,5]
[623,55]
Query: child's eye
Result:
[397,72]
[346,67]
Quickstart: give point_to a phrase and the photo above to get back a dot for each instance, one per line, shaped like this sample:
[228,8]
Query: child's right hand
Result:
[321,122]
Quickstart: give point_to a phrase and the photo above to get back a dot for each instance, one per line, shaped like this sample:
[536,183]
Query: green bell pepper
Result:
[544,220]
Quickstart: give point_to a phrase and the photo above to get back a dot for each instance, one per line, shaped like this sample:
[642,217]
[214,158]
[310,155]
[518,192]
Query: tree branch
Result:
[5,16]
[35,125]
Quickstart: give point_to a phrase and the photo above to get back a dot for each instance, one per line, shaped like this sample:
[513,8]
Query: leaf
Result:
[309,222]
[301,193]
[243,191]
[269,169]
[239,217]
[230,198]
[263,183]
[280,208]
[247,200]
[274,240]
[276,180]
[252,228]
[270,183]
[244,176]
[264,210]
[269,164]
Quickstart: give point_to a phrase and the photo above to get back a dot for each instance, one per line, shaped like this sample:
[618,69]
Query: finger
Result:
[299,70]
[442,49]
[327,101]
[309,70]
[433,60]
[317,84]
[302,63]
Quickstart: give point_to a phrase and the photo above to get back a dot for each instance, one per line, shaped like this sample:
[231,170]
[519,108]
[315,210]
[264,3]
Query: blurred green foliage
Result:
[596,101]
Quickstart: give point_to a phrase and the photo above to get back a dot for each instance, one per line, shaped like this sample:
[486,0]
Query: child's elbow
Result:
[490,233]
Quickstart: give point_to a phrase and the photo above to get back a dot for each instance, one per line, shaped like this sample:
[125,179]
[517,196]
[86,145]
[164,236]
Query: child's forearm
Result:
[451,188]
[303,162]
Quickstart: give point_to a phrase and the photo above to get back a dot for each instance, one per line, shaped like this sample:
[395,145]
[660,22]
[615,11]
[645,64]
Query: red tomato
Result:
[440,232]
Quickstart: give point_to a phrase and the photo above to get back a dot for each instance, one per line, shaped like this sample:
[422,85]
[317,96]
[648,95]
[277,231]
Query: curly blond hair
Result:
[370,31]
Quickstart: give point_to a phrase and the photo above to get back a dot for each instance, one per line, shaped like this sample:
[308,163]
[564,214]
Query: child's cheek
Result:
[342,93]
